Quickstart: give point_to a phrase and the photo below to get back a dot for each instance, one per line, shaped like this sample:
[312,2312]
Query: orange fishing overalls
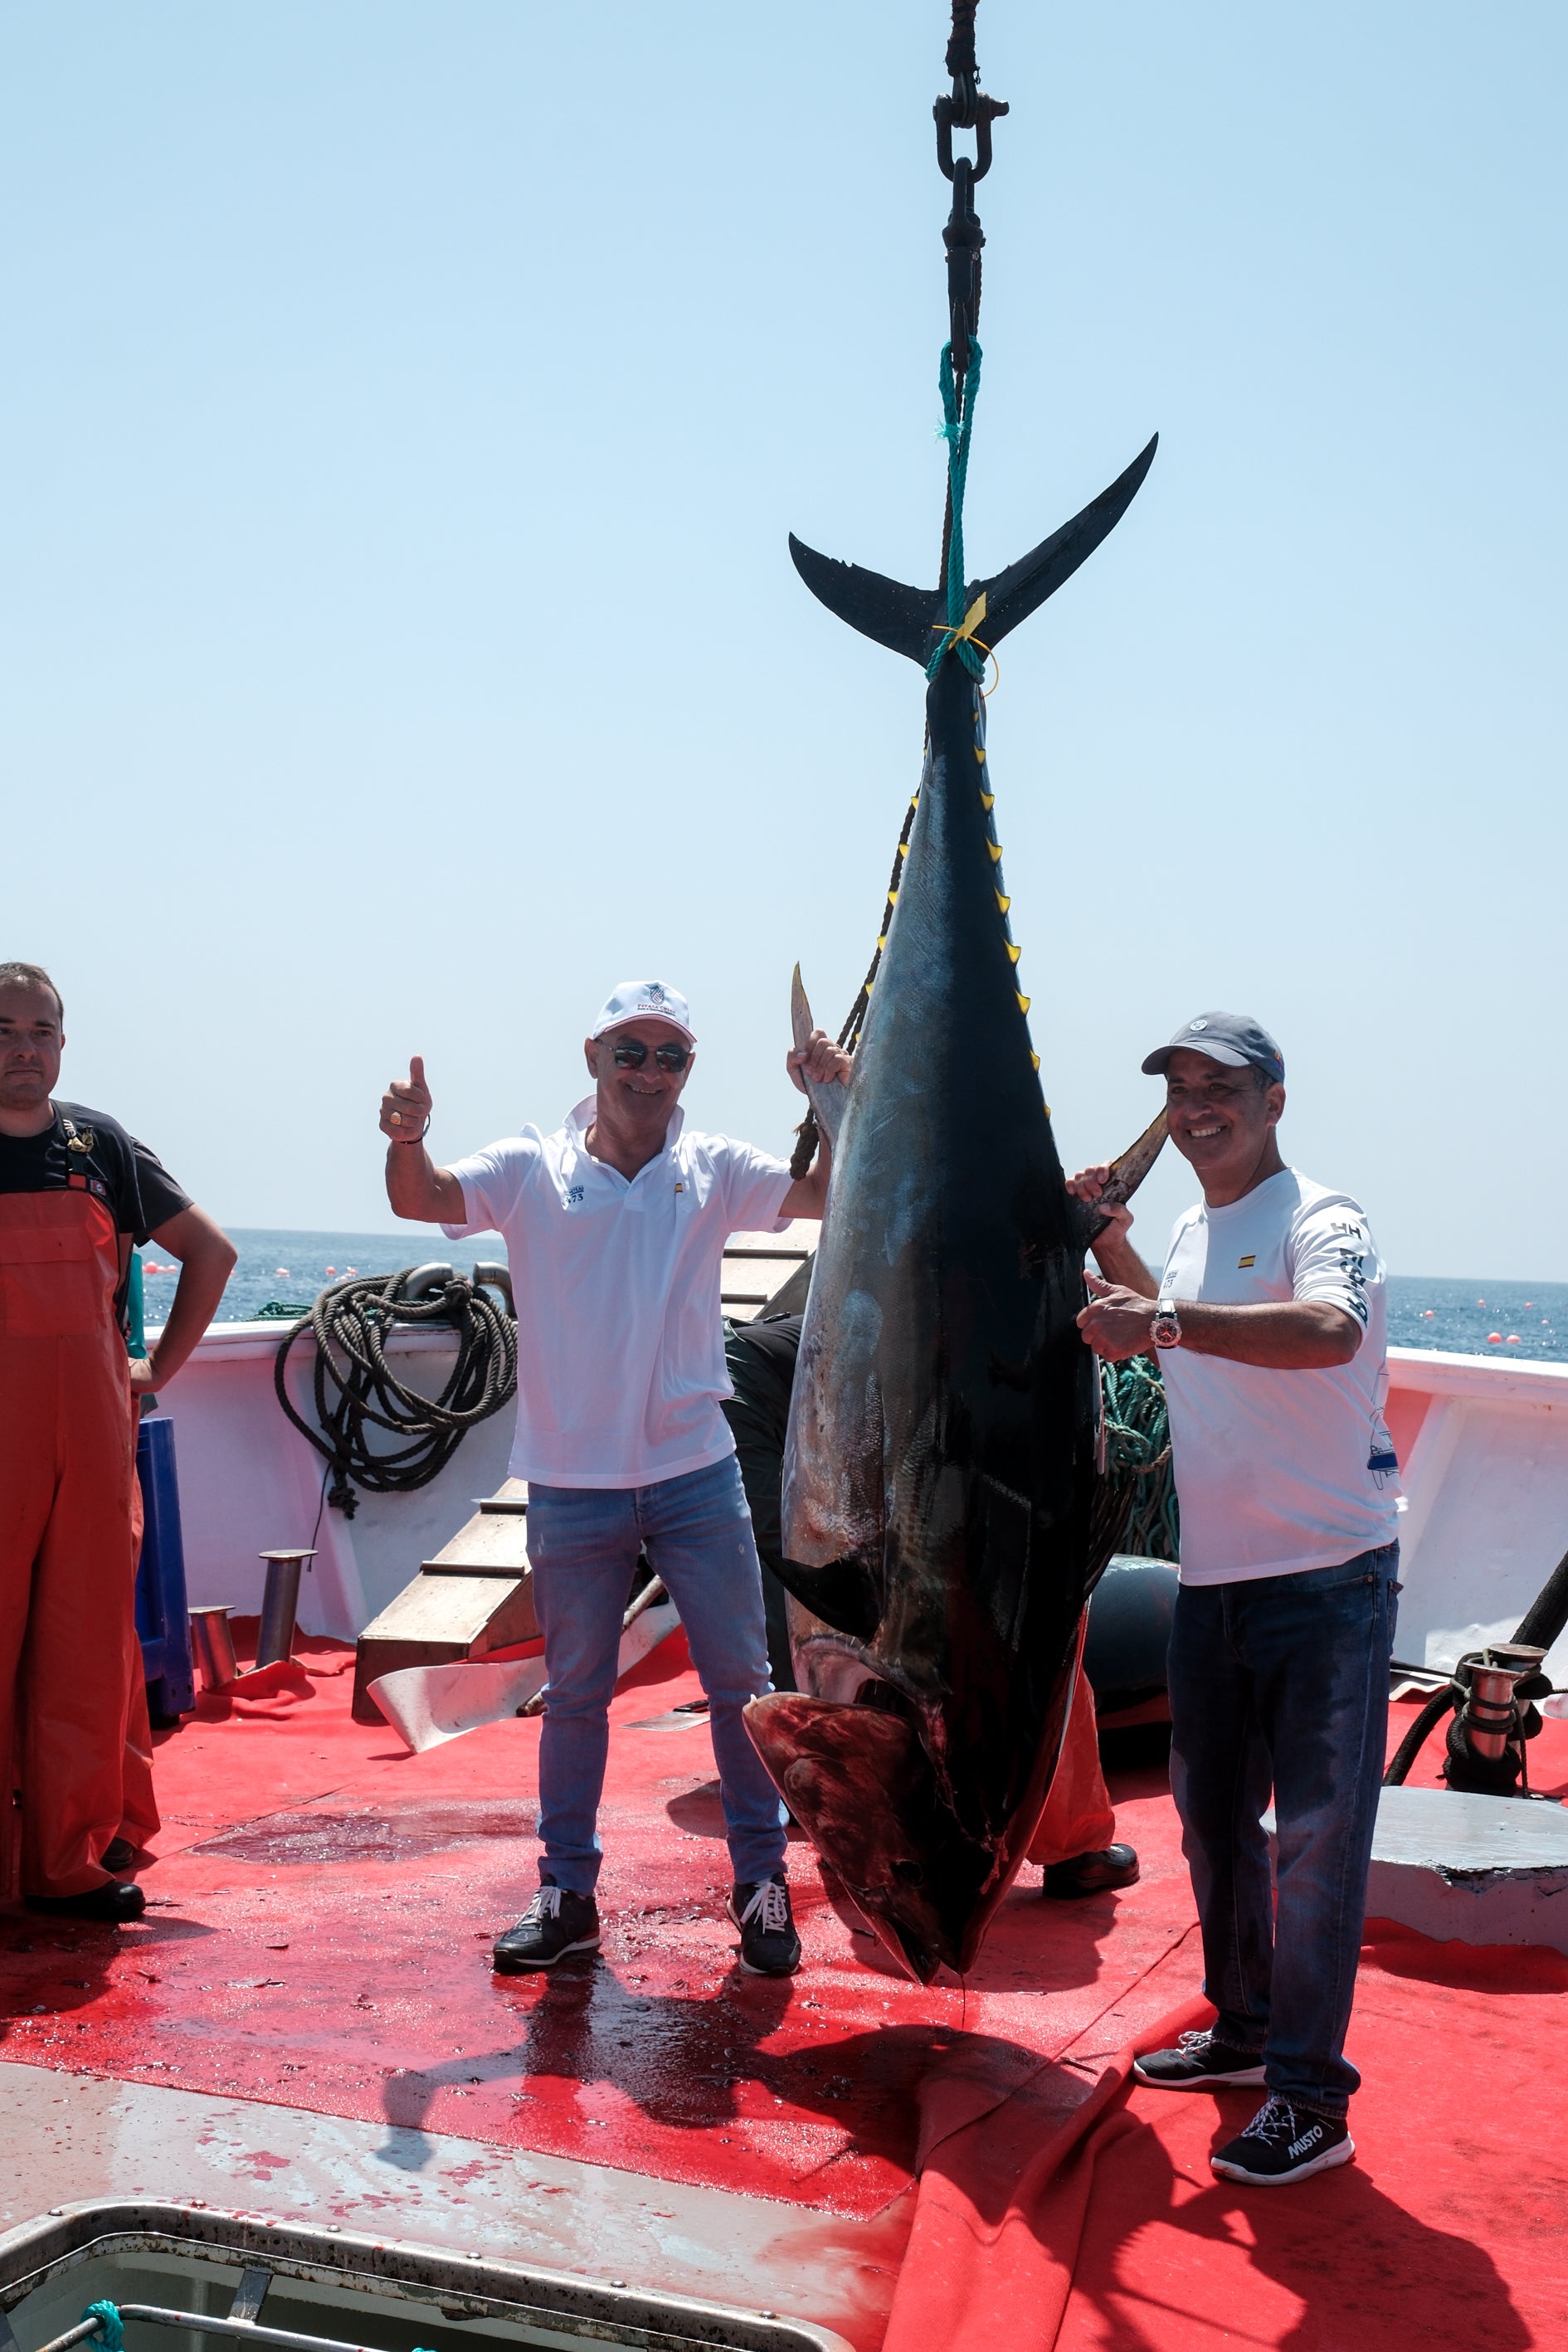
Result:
[1079,1817]
[73,1705]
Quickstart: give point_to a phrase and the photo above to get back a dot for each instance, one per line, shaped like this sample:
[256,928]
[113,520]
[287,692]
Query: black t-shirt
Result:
[132,1182]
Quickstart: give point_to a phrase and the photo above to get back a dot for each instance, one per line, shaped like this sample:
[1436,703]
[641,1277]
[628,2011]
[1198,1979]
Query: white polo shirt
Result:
[1279,1471]
[620,1343]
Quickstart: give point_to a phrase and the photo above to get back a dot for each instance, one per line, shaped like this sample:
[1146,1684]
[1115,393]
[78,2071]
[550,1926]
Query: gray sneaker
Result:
[555,1923]
[1198,2062]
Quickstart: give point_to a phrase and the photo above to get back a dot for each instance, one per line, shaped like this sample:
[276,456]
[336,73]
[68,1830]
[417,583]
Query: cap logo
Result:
[1198,1025]
[651,998]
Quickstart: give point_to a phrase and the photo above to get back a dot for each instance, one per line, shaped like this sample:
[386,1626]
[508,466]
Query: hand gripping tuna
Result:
[944,1518]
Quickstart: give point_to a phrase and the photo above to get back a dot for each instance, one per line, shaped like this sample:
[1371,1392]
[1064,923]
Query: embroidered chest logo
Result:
[575,1196]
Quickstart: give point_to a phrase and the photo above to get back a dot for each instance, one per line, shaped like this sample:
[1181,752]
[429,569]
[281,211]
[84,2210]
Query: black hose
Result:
[353,1321]
[1415,1739]
[1548,1612]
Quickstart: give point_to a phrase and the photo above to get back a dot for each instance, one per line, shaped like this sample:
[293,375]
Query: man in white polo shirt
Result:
[615,1228]
[1272,1322]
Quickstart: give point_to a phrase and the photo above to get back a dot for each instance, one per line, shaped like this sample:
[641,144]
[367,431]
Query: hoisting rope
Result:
[958,416]
[1138,1455]
[966,109]
[353,1320]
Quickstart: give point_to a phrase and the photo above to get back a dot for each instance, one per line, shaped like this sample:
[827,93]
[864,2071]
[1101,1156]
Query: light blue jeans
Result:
[583,1545]
[1283,1683]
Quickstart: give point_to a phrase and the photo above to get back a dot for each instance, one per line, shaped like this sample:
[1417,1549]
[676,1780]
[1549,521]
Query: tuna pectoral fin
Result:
[858,1782]
[1126,1174]
[843,1594]
[830,1101]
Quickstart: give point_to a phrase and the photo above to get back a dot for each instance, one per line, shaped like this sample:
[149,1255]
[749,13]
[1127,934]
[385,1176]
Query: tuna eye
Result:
[909,1873]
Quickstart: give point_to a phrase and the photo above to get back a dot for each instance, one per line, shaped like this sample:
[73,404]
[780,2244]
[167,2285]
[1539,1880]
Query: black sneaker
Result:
[759,1908]
[1284,2143]
[1090,1873]
[556,1922]
[1198,2061]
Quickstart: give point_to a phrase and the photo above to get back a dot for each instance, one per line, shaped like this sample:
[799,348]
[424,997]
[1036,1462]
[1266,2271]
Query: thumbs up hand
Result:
[405,1107]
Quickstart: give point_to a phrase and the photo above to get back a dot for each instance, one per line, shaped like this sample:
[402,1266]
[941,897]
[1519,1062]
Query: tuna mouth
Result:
[856,1779]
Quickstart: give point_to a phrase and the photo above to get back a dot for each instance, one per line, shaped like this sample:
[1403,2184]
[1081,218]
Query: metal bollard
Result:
[1491,1711]
[280,1603]
[214,1645]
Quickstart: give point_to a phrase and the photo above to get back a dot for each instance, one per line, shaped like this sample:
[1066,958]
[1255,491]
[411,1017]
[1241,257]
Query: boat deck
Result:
[306,2023]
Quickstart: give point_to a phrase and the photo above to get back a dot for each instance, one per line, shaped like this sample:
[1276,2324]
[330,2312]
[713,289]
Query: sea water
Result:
[279,1268]
[1477,1317]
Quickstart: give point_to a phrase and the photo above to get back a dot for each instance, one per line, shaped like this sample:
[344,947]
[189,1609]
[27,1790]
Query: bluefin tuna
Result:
[946,1516]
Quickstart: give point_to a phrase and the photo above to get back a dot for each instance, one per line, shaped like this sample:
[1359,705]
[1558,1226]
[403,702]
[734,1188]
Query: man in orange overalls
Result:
[76,1193]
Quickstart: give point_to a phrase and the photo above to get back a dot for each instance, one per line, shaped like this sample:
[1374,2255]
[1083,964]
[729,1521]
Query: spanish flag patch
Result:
[1246,1260]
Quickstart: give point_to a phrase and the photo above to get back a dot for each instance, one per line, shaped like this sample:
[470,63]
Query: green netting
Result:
[1137,1453]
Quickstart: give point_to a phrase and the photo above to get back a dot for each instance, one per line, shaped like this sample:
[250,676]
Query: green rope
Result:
[1138,1455]
[956,423]
[111,2333]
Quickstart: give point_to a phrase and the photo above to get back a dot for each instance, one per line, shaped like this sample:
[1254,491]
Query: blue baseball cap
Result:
[1234,1038]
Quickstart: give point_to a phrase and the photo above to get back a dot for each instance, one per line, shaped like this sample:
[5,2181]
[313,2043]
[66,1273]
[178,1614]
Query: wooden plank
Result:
[488,1546]
[439,1608]
[474,1597]
[437,1621]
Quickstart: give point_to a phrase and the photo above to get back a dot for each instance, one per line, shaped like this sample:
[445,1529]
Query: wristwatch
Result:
[1165,1329]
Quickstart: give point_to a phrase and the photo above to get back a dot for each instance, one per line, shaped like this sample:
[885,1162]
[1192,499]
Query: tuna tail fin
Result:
[1126,1174]
[906,620]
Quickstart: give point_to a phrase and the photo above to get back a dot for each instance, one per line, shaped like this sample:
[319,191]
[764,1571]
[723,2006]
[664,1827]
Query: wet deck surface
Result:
[306,2022]
[319,1931]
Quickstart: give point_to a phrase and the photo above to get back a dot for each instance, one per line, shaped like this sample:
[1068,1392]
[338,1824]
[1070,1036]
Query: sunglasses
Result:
[634,1054]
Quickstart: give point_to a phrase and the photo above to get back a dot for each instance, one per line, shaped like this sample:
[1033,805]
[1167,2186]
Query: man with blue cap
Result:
[1270,1320]
[615,1228]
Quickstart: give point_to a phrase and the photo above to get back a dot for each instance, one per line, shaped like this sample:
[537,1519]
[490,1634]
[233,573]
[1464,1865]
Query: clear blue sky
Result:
[403,410]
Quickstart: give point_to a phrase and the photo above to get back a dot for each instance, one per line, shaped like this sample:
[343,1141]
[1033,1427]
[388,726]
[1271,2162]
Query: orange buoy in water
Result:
[1427,1318]
[1494,1338]
[1512,1341]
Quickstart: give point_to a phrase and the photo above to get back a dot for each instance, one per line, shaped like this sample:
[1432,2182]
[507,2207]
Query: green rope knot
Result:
[956,422]
[111,2333]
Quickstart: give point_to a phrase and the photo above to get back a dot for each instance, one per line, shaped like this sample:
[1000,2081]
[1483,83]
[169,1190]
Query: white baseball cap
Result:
[633,999]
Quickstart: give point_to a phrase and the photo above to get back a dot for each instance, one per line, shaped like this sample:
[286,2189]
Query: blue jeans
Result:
[583,1545]
[1284,1681]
